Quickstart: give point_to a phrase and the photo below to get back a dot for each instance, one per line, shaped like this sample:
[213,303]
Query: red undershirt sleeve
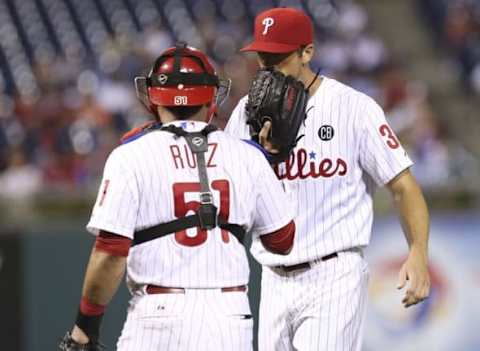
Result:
[113,244]
[280,241]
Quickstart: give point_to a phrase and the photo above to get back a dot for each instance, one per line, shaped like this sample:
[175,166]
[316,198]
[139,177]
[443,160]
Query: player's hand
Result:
[415,271]
[264,136]
[79,336]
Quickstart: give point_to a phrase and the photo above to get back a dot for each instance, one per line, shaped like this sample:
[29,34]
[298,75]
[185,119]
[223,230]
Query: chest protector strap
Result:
[206,217]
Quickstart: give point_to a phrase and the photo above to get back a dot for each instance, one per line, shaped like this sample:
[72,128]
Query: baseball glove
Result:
[68,344]
[282,100]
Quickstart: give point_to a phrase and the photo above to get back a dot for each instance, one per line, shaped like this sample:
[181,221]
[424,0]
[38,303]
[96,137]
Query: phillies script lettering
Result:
[296,166]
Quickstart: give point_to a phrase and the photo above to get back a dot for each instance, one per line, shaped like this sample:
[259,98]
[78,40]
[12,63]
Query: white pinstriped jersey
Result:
[154,179]
[348,149]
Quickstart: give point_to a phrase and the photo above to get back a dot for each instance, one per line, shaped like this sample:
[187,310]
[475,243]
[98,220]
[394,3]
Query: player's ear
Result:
[307,54]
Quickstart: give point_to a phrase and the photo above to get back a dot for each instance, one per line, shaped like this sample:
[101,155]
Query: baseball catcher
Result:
[176,200]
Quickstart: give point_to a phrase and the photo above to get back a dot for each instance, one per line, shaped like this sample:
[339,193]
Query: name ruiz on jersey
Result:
[183,157]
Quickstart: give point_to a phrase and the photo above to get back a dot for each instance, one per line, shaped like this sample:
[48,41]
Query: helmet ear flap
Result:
[223,91]
[141,88]
[212,111]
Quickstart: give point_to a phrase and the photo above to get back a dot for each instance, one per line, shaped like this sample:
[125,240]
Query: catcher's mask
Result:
[182,76]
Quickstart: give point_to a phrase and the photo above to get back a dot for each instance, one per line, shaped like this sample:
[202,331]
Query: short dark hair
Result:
[184,112]
[271,59]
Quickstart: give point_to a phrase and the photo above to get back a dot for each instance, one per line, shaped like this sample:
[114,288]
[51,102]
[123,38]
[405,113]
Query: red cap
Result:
[281,30]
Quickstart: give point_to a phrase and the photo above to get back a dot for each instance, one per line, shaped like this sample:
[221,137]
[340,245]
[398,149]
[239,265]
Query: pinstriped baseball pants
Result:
[200,319]
[322,308]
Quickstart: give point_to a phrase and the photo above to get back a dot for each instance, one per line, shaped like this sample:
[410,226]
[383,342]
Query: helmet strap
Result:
[177,55]
[212,111]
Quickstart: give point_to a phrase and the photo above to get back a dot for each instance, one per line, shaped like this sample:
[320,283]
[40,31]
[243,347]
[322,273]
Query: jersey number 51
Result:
[182,207]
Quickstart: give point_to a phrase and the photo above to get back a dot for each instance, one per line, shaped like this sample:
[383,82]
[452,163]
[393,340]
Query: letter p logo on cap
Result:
[280,30]
[267,23]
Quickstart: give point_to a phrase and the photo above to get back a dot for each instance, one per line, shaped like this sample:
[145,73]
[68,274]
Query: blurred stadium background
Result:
[66,97]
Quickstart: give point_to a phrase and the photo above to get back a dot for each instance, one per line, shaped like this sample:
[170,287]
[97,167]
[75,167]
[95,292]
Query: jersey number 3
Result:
[182,207]
[392,140]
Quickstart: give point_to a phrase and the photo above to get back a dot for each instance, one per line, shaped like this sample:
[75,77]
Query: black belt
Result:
[306,265]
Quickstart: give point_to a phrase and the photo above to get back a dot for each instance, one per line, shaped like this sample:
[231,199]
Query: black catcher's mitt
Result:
[282,100]
[68,344]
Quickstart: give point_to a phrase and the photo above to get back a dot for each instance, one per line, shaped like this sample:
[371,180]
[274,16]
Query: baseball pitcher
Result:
[331,150]
[175,202]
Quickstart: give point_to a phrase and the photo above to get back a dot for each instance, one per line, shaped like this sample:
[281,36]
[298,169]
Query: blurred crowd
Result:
[456,25]
[59,122]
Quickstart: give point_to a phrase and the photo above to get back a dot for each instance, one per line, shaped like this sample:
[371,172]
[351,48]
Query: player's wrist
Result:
[89,318]
[419,251]
[272,157]
[89,308]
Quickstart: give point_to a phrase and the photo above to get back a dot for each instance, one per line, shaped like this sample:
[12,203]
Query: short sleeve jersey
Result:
[348,149]
[154,179]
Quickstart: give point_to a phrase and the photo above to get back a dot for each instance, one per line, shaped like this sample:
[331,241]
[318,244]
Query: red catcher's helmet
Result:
[181,76]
